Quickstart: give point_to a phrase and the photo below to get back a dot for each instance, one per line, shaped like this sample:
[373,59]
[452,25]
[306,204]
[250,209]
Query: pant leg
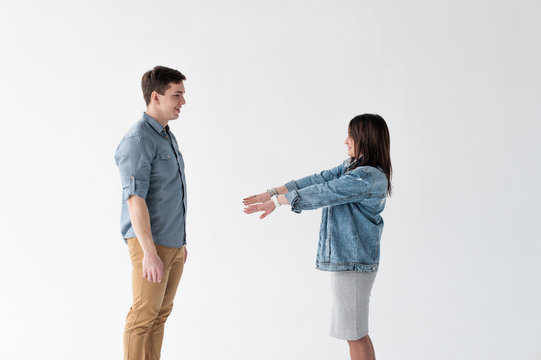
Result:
[147,302]
[155,337]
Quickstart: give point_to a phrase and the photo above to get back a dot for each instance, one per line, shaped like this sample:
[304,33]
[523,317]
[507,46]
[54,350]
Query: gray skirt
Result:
[349,304]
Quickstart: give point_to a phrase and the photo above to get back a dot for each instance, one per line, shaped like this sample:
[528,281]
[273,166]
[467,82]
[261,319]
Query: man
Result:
[153,218]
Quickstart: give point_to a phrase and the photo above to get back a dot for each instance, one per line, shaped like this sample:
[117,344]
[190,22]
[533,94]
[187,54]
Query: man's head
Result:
[163,90]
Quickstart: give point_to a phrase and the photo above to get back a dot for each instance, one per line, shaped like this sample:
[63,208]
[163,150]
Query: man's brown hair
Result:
[158,79]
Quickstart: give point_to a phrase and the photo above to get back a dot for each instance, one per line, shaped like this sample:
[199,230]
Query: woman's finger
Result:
[267,212]
[253,200]
[251,209]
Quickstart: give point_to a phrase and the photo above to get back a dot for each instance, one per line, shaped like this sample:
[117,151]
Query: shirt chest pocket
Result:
[165,162]
[165,155]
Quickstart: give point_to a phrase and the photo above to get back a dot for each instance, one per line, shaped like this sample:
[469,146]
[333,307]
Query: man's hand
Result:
[267,207]
[152,267]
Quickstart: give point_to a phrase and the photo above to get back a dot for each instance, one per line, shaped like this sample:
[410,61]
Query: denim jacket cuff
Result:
[293,198]
[291,185]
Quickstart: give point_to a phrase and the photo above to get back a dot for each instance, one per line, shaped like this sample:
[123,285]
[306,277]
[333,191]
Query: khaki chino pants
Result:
[152,302]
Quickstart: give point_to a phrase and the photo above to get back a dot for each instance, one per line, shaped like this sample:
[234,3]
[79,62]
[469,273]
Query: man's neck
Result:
[156,117]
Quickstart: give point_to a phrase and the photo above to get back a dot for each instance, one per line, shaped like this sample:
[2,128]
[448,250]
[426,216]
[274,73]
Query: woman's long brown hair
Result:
[372,144]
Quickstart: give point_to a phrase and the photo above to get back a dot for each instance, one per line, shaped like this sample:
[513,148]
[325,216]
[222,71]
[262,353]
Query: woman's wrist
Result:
[280,190]
[282,200]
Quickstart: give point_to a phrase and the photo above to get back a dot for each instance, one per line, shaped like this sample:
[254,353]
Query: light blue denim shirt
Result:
[351,224]
[151,167]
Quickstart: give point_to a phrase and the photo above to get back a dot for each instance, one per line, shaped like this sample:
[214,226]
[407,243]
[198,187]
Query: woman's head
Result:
[368,140]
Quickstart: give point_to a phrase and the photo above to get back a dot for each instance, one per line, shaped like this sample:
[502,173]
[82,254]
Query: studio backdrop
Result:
[270,89]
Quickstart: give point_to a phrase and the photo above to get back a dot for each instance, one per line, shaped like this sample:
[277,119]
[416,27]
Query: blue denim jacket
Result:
[351,224]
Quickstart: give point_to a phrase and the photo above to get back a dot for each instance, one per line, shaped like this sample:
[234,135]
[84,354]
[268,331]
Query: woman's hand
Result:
[254,199]
[267,207]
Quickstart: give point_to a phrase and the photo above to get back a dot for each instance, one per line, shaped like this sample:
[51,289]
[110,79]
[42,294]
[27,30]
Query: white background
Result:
[271,87]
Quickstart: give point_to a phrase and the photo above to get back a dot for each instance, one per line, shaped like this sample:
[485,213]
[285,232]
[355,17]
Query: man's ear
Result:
[154,97]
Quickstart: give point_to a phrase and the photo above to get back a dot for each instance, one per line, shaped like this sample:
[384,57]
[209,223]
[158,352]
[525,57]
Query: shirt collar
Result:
[154,123]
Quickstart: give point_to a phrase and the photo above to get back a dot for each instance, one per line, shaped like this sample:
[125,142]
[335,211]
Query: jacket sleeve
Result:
[353,186]
[134,158]
[321,178]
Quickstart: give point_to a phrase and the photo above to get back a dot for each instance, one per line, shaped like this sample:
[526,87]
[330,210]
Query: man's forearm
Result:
[140,220]
[282,190]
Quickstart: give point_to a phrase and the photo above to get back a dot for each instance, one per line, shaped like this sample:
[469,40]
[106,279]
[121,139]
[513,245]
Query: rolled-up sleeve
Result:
[133,158]
[350,187]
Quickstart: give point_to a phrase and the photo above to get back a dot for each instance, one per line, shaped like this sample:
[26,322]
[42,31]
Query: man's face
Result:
[170,103]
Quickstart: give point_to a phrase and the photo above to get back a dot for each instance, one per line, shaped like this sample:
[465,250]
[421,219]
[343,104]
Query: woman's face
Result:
[351,146]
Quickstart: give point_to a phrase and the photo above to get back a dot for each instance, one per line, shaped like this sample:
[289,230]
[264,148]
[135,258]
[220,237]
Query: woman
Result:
[352,196]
